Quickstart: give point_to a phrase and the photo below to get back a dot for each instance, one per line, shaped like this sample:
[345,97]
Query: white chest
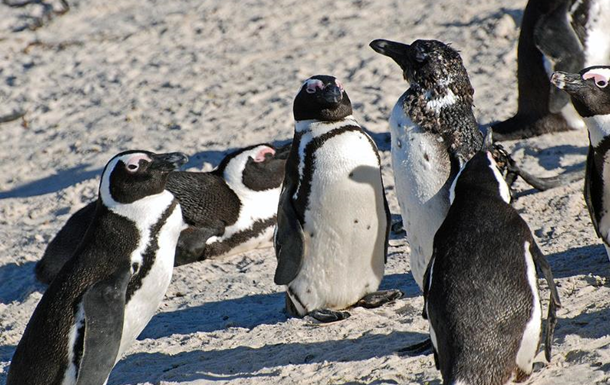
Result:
[145,301]
[598,34]
[421,172]
[344,225]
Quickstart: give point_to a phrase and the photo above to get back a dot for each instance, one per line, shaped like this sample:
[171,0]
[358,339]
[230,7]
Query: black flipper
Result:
[379,298]
[192,242]
[593,183]
[554,303]
[104,305]
[289,241]
[547,183]
[557,40]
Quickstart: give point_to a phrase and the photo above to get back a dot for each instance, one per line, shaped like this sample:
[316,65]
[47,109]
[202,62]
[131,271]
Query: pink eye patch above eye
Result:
[260,156]
[312,85]
[601,77]
[135,160]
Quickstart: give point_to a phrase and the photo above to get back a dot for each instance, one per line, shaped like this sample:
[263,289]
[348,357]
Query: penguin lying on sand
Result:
[333,218]
[481,289]
[556,35]
[590,93]
[229,210]
[105,295]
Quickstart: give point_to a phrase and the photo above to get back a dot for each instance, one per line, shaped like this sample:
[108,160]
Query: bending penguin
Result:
[556,35]
[481,289]
[229,210]
[590,95]
[333,218]
[105,295]
[434,132]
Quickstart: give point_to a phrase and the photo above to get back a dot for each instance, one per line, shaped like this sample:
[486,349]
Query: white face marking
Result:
[599,128]
[601,76]
[531,334]
[503,187]
[130,160]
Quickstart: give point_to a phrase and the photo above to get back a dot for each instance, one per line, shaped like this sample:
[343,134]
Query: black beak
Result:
[401,53]
[168,162]
[283,152]
[567,81]
[332,94]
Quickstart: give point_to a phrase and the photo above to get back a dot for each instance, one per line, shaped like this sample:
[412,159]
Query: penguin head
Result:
[481,175]
[255,168]
[428,65]
[589,89]
[323,98]
[133,175]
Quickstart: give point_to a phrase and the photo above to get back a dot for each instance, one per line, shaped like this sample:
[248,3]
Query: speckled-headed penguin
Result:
[105,295]
[481,289]
[229,210]
[331,236]
[590,94]
[433,132]
[556,35]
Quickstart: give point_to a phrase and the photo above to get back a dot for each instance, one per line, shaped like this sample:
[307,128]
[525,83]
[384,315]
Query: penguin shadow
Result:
[403,282]
[583,260]
[550,158]
[244,361]
[52,183]
[18,281]
[383,140]
[6,354]
[246,312]
[214,157]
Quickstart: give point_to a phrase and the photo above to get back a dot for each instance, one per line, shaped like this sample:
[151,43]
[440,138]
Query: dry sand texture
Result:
[204,77]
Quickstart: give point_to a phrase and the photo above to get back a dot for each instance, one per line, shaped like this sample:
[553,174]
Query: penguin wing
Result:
[543,265]
[557,40]
[193,240]
[593,188]
[104,306]
[289,241]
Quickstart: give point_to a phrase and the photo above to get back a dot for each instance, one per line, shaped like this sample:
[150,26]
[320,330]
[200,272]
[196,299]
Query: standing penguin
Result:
[229,210]
[590,95]
[332,231]
[433,132]
[105,295]
[481,289]
[556,35]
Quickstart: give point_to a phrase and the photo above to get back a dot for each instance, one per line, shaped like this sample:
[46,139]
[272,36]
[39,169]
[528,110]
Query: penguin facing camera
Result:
[556,35]
[481,291]
[229,210]
[333,217]
[590,95]
[105,295]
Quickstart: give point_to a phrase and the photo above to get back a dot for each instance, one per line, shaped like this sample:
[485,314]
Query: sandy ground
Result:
[205,77]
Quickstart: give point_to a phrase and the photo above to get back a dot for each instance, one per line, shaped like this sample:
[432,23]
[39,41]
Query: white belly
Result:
[421,170]
[345,226]
[598,34]
[145,301]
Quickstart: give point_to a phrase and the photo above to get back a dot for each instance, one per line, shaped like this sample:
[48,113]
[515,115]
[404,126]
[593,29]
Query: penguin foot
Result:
[418,349]
[379,298]
[327,315]
[398,227]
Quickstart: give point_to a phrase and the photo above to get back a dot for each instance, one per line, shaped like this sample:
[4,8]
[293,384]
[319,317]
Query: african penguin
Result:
[590,95]
[105,295]
[229,210]
[433,132]
[333,218]
[481,289]
[556,35]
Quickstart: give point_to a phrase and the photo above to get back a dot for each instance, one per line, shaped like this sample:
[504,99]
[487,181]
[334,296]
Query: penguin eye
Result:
[601,83]
[132,167]
[310,90]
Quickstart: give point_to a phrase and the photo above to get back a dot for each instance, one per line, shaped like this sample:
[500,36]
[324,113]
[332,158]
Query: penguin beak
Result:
[567,81]
[168,162]
[399,52]
[283,152]
[332,94]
